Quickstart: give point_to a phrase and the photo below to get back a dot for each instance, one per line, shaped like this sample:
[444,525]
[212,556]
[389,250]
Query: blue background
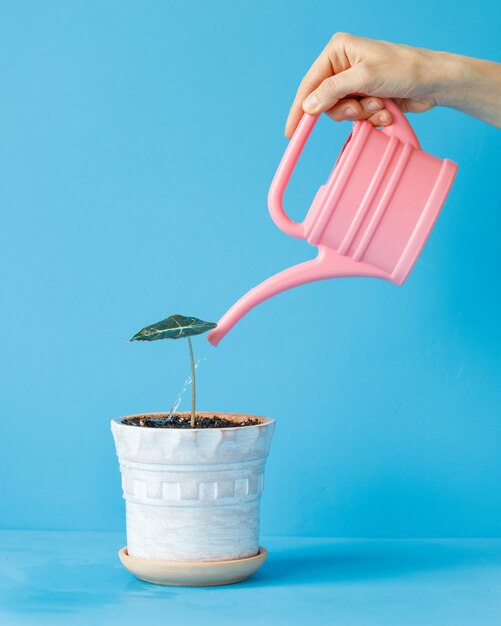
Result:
[138,142]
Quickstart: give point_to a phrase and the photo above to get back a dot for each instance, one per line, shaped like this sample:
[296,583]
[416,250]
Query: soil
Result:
[182,421]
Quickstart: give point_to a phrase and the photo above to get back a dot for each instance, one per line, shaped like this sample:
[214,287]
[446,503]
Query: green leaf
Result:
[173,327]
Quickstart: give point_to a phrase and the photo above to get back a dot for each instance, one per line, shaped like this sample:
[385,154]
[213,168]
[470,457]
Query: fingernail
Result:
[310,104]
[384,118]
[350,111]
[374,106]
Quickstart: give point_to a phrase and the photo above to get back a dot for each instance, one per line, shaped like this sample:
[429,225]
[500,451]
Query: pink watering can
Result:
[371,218]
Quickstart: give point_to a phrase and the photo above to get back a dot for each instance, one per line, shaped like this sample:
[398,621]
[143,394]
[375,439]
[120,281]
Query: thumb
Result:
[333,89]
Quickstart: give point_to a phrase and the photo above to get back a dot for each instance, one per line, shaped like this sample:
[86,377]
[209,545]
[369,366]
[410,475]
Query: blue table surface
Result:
[76,578]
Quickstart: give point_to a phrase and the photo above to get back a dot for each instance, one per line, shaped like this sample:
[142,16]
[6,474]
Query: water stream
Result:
[187,383]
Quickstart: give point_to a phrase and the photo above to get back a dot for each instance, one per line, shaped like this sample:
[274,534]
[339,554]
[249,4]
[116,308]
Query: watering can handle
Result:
[399,128]
[283,174]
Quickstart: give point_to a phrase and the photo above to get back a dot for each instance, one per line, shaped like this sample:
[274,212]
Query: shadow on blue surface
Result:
[59,580]
[364,561]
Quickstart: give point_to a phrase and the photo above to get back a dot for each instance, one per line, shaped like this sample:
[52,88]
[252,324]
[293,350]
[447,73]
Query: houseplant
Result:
[192,484]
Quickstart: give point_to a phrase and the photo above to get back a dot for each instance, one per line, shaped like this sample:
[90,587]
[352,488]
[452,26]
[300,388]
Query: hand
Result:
[353,74]
[375,69]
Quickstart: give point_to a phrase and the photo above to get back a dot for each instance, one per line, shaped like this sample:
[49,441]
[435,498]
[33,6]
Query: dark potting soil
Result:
[181,421]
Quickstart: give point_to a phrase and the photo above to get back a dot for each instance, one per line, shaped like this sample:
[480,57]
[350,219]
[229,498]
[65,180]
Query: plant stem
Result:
[193,386]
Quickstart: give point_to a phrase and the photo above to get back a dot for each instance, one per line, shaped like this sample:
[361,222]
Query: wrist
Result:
[472,86]
[452,79]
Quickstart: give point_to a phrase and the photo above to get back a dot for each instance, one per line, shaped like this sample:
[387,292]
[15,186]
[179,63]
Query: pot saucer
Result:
[194,574]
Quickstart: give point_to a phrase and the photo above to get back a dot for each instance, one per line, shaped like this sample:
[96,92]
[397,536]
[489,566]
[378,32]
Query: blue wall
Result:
[137,144]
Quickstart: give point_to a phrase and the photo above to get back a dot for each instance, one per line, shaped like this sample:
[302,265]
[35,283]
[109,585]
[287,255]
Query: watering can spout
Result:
[328,264]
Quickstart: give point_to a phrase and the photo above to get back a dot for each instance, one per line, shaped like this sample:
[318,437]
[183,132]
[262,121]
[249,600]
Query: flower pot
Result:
[192,495]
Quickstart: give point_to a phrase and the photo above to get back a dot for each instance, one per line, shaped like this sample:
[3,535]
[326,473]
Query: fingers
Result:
[333,89]
[370,109]
[351,109]
[334,59]
[319,71]
[382,118]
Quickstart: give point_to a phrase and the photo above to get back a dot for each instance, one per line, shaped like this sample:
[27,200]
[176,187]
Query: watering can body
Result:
[371,218]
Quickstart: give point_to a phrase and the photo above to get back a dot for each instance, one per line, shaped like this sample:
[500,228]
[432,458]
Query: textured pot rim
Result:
[264,421]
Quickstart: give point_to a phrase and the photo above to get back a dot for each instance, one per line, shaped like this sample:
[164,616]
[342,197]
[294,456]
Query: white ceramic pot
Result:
[193,494]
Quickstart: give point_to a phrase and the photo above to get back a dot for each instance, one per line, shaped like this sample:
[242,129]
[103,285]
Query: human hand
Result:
[374,69]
